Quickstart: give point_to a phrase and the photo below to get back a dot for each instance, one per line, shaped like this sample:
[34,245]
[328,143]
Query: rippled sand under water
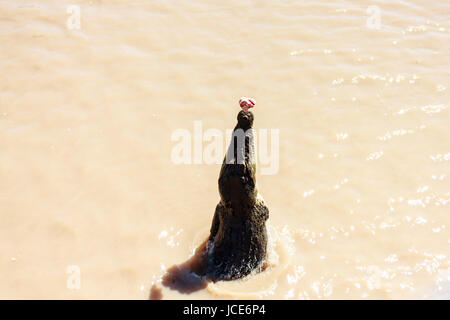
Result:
[359,207]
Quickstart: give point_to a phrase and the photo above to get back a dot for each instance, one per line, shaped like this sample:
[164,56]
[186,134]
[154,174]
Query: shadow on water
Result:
[187,277]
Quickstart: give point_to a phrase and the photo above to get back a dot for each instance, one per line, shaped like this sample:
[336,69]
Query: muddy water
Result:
[92,205]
